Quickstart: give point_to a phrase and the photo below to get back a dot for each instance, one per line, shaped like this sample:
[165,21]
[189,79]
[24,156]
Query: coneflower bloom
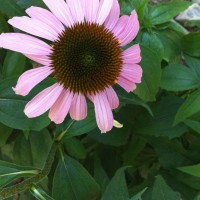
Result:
[84,55]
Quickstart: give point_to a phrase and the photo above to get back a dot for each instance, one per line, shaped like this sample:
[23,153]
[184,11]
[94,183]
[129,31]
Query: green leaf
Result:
[11,8]
[151,40]
[117,188]
[195,125]
[40,194]
[126,7]
[12,107]
[177,77]
[10,172]
[141,7]
[170,153]
[116,137]
[14,64]
[161,124]
[163,12]
[75,148]
[161,191]
[72,181]
[130,98]
[198,195]
[5,133]
[193,63]
[184,187]
[133,149]
[33,151]
[193,23]
[191,43]
[171,41]
[176,27]
[148,89]
[29,3]
[76,128]
[193,170]
[26,196]
[139,195]
[99,174]
[189,107]
[4,27]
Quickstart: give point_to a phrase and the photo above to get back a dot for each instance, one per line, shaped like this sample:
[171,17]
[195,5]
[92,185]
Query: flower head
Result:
[84,54]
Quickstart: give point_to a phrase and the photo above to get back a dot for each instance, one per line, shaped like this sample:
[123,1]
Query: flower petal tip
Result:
[56,121]
[27,113]
[134,13]
[103,132]
[19,92]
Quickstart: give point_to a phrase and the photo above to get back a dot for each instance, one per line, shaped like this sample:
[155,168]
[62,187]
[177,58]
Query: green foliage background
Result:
[155,156]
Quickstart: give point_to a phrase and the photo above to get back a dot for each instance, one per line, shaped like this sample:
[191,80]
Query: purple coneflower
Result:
[84,54]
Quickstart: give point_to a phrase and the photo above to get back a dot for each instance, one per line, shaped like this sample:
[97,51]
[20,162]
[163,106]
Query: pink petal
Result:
[61,107]
[46,17]
[29,79]
[104,10]
[91,97]
[78,109]
[43,101]
[132,72]
[34,27]
[103,112]
[112,98]
[61,10]
[120,26]
[23,43]
[91,10]
[126,84]
[131,29]
[44,60]
[113,17]
[76,9]
[132,54]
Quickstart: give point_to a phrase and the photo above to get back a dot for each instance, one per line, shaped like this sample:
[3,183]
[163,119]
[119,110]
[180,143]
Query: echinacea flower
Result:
[84,54]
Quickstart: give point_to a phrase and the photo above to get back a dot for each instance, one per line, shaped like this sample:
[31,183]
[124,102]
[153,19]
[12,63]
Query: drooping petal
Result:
[112,98]
[132,54]
[44,60]
[61,10]
[46,17]
[34,27]
[120,26]
[61,107]
[113,17]
[91,10]
[43,101]
[103,112]
[78,109]
[131,29]
[104,10]
[23,43]
[126,84]
[132,72]
[29,79]
[77,10]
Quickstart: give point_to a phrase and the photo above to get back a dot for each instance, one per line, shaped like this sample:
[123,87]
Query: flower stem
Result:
[59,138]
[28,183]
